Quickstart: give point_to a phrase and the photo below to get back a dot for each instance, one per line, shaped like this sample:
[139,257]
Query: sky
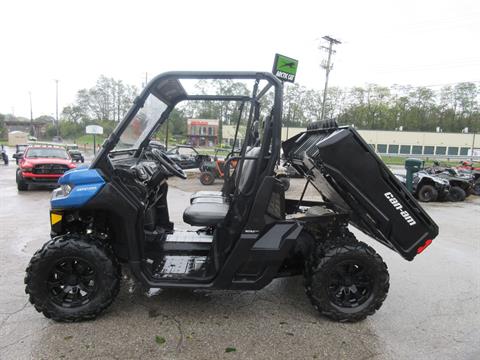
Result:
[419,43]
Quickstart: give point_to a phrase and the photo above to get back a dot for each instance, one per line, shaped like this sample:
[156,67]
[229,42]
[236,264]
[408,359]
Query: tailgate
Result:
[348,173]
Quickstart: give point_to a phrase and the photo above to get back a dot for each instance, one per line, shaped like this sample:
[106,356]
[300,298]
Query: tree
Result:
[3,128]
[109,99]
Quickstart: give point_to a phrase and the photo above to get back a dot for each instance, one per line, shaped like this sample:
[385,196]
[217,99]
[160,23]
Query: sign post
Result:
[94,130]
[285,68]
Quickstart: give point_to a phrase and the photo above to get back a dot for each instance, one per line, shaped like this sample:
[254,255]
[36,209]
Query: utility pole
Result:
[328,66]
[32,129]
[56,103]
[473,146]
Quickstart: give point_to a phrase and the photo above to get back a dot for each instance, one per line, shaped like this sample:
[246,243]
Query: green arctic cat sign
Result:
[285,68]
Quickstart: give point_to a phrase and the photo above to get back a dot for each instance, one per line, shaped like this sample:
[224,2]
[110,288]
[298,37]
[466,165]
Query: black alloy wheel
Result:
[351,283]
[346,280]
[72,282]
[73,277]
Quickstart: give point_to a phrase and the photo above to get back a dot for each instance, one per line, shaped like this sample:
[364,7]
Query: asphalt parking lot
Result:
[432,311]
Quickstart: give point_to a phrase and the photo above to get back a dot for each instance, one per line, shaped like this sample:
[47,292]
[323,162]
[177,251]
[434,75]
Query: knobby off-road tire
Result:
[427,193]
[285,183]
[207,178]
[21,185]
[476,188]
[456,193]
[72,278]
[346,280]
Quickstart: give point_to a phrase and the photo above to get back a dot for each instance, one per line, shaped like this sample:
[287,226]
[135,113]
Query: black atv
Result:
[427,187]
[115,213]
[4,154]
[461,186]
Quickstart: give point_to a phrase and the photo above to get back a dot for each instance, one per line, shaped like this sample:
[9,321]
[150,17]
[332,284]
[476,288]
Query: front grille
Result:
[50,169]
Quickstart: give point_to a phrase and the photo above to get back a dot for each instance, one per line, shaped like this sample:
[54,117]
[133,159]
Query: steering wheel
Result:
[169,164]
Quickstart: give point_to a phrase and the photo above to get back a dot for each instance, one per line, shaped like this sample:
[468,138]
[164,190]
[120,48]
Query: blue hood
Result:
[84,183]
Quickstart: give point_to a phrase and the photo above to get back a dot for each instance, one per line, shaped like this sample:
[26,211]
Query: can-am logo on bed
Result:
[396,204]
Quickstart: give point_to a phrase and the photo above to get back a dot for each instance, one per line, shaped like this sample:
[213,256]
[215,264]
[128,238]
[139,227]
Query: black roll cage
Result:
[167,88]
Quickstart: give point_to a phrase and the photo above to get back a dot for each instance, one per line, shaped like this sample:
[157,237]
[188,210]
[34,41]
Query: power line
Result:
[328,67]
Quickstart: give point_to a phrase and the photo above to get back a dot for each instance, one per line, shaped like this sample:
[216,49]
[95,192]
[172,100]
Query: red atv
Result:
[42,165]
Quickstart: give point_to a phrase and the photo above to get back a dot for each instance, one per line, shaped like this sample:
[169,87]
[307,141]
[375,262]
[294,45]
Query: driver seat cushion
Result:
[208,196]
[205,213]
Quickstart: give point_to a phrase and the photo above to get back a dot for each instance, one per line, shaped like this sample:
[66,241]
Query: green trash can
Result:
[412,166]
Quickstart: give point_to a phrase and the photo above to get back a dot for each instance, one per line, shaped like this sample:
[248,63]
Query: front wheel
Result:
[72,278]
[21,184]
[347,280]
[427,193]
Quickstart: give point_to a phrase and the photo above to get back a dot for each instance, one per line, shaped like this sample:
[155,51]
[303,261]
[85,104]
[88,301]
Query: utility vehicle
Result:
[115,213]
[187,156]
[75,153]
[19,150]
[212,169]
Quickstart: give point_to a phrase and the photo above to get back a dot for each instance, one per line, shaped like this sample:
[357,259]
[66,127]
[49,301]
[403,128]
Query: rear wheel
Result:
[347,280]
[285,183]
[456,193]
[72,278]
[427,193]
[476,188]
[207,178]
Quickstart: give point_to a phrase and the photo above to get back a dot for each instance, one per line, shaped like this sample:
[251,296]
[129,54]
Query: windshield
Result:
[141,124]
[57,153]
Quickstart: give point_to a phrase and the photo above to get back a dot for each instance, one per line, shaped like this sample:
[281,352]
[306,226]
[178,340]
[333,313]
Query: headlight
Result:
[65,189]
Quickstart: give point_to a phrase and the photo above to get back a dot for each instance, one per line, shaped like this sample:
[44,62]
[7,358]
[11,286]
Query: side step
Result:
[190,242]
[181,266]
[189,236]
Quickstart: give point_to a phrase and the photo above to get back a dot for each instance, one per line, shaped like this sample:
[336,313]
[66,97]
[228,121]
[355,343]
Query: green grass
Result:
[400,160]
[88,139]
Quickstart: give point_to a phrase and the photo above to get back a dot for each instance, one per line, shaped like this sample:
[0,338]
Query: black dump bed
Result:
[347,172]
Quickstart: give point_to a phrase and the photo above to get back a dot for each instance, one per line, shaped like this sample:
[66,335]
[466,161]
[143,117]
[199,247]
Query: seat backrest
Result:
[244,178]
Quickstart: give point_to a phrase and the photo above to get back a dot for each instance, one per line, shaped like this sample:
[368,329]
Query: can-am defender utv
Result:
[115,213]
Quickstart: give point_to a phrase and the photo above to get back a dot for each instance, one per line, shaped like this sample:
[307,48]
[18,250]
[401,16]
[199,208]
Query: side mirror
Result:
[17,156]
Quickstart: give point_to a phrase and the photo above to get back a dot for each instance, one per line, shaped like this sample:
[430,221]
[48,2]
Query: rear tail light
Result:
[424,246]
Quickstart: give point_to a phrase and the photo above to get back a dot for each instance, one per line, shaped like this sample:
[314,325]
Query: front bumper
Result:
[31,178]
